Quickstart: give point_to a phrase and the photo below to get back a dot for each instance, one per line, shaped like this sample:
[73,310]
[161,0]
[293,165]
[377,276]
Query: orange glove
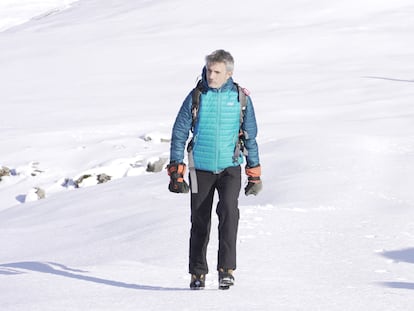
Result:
[254,185]
[176,172]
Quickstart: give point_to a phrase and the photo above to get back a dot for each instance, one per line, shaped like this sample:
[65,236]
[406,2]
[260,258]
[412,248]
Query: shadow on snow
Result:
[400,285]
[61,270]
[403,255]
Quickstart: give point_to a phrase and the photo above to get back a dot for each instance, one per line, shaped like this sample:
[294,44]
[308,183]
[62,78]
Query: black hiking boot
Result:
[198,281]
[226,278]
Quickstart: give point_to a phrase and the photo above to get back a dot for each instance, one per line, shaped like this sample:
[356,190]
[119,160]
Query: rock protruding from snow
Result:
[156,165]
[35,194]
[4,171]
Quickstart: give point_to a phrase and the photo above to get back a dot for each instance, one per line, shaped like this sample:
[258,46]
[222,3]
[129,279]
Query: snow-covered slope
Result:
[94,89]
[13,13]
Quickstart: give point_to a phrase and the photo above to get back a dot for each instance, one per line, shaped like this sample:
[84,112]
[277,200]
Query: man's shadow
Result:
[61,270]
[403,255]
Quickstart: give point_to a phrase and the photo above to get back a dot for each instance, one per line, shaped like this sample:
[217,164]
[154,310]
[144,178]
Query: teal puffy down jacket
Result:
[216,130]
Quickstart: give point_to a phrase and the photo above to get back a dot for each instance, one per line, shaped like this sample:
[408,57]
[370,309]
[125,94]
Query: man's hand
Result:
[177,183]
[254,185]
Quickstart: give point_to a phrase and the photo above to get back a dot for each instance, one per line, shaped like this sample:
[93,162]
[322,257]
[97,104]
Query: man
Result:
[223,131]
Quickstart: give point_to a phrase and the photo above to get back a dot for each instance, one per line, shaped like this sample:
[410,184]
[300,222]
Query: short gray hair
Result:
[221,56]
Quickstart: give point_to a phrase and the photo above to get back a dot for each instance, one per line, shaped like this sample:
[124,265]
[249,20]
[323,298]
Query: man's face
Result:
[217,75]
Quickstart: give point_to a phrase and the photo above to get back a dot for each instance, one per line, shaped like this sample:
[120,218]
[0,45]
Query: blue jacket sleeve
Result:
[181,130]
[249,128]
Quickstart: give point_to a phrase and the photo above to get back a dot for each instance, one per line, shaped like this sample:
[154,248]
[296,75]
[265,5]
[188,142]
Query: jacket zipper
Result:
[218,124]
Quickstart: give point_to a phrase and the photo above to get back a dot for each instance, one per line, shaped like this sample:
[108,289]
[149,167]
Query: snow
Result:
[14,13]
[93,87]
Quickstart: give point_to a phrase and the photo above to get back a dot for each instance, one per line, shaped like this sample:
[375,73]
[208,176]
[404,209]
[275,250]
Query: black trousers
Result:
[227,184]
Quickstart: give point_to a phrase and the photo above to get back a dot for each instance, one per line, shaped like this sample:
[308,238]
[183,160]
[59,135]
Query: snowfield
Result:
[89,91]
[13,13]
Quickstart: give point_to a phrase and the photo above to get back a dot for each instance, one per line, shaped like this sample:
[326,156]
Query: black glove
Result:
[177,183]
[254,185]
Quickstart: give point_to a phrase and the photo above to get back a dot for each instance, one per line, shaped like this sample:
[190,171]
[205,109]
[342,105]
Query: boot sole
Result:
[225,284]
[224,287]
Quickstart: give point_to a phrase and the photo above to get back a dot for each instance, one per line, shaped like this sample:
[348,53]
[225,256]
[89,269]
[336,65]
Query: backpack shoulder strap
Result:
[195,105]
[240,148]
[243,93]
